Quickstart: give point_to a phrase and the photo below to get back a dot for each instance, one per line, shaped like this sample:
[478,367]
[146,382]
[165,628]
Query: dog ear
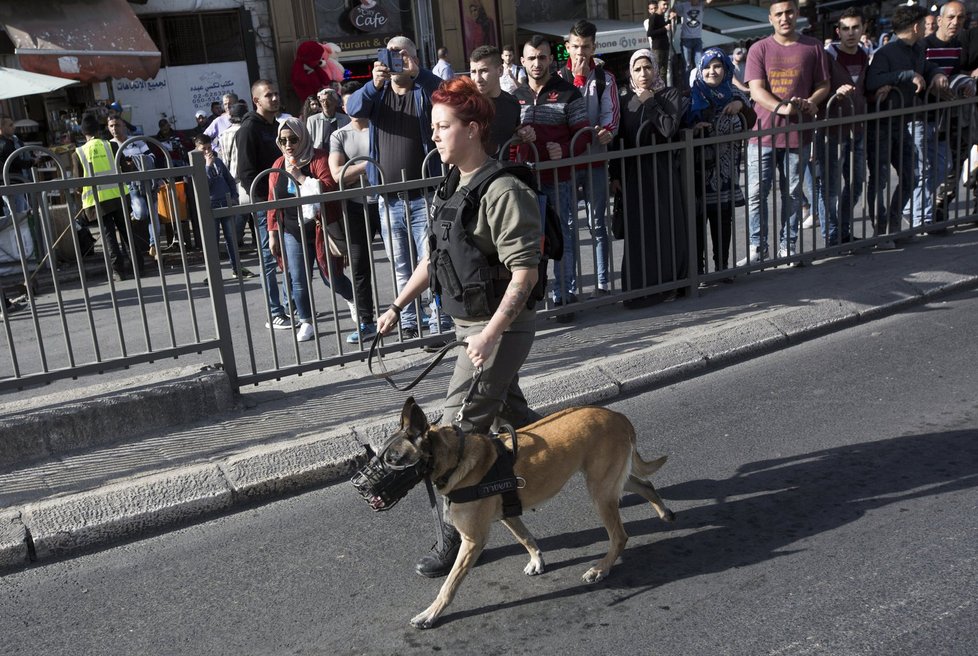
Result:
[413,419]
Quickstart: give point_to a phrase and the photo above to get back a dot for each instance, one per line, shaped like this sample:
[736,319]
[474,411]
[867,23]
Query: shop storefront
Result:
[204,56]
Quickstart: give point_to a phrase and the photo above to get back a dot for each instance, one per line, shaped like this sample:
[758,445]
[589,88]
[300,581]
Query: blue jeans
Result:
[229,224]
[843,164]
[889,144]
[269,267]
[761,164]
[298,266]
[565,271]
[404,239]
[930,169]
[596,200]
[692,53]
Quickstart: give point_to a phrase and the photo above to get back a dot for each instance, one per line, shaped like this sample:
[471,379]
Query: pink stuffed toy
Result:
[314,68]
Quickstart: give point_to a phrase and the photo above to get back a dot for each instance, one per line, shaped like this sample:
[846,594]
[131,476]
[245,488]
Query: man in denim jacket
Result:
[400,145]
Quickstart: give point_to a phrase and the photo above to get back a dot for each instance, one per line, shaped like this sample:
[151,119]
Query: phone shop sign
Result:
[621,41]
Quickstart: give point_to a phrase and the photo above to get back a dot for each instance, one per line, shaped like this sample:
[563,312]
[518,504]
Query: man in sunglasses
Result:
[255,142]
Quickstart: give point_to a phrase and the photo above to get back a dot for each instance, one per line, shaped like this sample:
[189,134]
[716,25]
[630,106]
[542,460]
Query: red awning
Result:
[85,40]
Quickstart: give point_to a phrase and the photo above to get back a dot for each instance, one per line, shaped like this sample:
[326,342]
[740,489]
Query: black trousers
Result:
[362,231]
[720,218]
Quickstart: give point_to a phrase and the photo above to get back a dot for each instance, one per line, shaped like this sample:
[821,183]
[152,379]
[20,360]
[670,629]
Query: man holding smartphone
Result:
[398,104]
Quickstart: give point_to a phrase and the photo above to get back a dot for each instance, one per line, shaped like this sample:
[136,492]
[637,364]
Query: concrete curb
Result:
[56,425]
[63,526]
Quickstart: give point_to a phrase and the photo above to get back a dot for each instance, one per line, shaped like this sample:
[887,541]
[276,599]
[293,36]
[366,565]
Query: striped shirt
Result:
[946,54]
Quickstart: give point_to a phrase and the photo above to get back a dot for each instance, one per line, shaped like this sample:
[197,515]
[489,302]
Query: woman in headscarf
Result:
[717,108]
[654,215]
[299,235]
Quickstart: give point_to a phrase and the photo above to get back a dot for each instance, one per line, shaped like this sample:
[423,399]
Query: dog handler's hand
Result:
[388,321]
[480,347]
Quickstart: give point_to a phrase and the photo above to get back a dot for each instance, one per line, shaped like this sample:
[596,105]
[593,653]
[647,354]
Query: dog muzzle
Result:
[390,474]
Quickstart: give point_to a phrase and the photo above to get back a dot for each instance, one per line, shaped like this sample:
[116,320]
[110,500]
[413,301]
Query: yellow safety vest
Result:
[97,154]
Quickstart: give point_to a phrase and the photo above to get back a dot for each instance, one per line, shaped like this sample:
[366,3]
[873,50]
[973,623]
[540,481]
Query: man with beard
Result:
[555,110]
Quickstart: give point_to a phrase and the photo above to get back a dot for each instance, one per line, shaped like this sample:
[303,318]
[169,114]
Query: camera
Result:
[390,59]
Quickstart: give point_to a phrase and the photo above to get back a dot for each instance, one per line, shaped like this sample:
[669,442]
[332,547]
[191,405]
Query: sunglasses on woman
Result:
[288,141]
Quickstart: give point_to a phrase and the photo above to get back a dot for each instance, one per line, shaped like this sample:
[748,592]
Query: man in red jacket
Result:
[552,111]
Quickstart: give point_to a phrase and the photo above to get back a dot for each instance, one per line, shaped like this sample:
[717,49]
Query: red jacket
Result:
[557,113]
[332,211]
[319,168]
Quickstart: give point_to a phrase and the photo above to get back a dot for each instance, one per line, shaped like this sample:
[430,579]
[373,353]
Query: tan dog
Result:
[596,441]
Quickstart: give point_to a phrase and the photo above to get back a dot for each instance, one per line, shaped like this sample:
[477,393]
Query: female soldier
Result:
[501,233]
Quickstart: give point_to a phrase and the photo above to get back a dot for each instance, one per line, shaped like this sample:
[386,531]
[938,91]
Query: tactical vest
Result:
[97,159]
[468,283]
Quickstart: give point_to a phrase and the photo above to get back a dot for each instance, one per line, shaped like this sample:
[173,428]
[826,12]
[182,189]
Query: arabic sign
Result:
[177,92]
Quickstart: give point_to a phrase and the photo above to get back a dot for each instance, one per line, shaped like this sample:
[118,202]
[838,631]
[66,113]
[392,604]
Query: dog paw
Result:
[593,575]
[422,621]
[533,568]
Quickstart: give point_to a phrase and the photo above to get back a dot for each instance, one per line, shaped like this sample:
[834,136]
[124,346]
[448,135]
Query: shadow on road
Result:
[768,505]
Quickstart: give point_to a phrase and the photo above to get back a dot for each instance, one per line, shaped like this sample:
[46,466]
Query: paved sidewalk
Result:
[308,431]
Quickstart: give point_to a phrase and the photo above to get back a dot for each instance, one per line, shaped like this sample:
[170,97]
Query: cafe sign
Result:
[368,16]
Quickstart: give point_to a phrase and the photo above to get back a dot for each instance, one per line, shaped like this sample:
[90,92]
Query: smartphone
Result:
[390,59]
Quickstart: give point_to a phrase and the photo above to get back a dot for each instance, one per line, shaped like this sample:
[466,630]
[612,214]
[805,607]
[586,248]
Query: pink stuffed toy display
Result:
[314,68]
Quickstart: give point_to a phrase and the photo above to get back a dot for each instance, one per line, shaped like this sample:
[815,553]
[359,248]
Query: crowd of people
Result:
[381,132]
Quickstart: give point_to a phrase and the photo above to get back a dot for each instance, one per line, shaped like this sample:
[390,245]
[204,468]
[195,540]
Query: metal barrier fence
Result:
[679,229]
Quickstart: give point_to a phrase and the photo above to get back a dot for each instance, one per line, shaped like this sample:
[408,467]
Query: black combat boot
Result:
[439,561]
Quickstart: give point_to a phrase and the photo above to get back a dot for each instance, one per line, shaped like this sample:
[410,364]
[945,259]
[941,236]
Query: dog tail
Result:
[645,469]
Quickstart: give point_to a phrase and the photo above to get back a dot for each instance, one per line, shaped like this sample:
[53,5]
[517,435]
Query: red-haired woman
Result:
[499,233]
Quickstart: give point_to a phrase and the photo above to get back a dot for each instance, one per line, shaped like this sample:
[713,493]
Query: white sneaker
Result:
[810,221]
[784,253]
[282,323]
[753,256]
[306,332]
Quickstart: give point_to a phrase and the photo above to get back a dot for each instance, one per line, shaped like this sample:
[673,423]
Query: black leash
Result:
[386,375]
[432,499]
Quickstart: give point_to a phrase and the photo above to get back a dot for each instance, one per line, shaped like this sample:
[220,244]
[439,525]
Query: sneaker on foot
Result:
[809,222]
[306,332]
[754,255]
[789,252]
[439,562]
[886,245]
[367,331]
[281,322]
[244,273]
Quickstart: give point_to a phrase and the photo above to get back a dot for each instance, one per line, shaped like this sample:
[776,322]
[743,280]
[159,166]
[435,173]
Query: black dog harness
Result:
[500,479]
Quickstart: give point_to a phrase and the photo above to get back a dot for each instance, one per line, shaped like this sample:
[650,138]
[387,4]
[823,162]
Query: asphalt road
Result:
[825,501]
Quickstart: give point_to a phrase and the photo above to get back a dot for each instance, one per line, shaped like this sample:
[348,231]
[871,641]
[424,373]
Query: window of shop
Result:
[541,11]
[200,38]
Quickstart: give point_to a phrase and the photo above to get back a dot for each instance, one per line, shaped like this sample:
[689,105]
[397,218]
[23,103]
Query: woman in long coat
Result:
[655,226]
